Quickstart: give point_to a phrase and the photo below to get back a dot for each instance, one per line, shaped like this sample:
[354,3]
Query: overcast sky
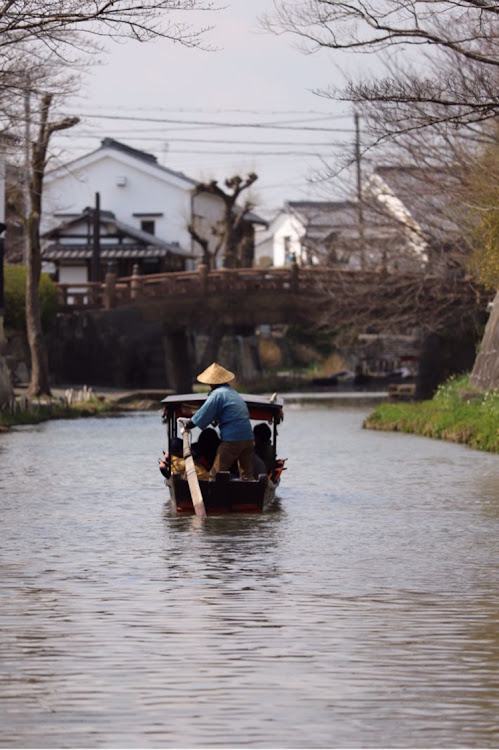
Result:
[254,78]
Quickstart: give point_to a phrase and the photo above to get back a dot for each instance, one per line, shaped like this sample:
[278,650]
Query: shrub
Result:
[15,298]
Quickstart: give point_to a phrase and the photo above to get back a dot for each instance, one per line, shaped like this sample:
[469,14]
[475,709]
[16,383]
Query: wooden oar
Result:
[192,477]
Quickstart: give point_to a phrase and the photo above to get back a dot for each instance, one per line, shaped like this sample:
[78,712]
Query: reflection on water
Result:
[361,612]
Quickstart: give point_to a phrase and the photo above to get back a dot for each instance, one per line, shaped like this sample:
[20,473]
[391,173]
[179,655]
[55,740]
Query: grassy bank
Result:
[457,413]
[42,412]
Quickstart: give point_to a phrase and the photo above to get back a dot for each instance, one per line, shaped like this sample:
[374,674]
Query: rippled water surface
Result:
[361,612]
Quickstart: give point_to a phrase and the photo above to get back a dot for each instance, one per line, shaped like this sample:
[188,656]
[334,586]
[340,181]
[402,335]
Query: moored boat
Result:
[226,493]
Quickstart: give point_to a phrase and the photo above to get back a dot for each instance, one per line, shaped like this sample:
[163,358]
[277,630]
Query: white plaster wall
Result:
[286,226]
[73,275]
[264,247]
[146,189]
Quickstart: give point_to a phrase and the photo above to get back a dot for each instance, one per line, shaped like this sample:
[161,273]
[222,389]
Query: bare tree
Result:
[227,233]
[50,21]
[467,30]
[433,105]
[40,380]
[40,40]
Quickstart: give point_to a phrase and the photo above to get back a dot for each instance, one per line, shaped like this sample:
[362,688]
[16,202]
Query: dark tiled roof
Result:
[143,156]
[323,217]
[118,146]
[155,246]
[135,153]
[60,251]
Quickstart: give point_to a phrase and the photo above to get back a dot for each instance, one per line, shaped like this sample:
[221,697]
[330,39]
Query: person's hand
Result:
[184,424]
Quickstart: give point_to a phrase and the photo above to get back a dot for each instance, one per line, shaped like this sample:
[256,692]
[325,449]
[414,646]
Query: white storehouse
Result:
[389,230]
[139,193]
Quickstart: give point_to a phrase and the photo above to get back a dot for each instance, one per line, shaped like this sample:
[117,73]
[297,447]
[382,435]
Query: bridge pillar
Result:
[110,287]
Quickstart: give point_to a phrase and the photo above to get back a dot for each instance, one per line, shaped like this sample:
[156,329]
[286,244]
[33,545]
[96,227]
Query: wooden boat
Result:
[226,493]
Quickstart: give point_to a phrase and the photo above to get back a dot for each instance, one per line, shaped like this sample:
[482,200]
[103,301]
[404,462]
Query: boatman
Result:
[225,406]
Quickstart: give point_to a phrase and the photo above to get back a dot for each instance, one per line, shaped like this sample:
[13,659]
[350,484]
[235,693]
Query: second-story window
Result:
[147,225]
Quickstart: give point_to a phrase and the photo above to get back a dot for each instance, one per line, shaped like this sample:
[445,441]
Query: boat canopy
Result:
[260,408]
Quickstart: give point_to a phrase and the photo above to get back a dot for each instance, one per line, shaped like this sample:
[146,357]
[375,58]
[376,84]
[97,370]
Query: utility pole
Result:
[95,272]
[360,207]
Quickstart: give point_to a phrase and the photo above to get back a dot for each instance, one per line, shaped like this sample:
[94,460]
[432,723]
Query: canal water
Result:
[361,612]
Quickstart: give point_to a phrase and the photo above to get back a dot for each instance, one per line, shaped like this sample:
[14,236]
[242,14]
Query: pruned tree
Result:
[226,234]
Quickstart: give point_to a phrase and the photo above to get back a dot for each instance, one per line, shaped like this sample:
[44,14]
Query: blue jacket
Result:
[226,406]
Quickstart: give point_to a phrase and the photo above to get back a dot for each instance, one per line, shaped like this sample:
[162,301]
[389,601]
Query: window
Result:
[147,225]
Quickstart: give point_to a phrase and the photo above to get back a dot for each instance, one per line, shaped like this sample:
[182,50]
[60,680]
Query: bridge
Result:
[248,297]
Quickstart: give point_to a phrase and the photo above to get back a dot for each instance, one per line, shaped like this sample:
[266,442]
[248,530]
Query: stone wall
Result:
[118,349]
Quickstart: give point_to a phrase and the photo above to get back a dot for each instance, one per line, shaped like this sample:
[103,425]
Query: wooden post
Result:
[95,271]
[136,282]
[294,278]
[110,287]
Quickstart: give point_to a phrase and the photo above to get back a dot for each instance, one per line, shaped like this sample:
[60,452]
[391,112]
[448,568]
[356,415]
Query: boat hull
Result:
[224,495]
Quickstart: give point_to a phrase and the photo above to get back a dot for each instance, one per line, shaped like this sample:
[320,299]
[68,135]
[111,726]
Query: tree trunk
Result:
[6,392]
[485,373]
[230,260]
[40,380]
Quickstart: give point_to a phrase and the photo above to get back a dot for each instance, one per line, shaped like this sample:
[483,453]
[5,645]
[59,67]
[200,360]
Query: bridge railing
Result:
[127,290]
[124,290]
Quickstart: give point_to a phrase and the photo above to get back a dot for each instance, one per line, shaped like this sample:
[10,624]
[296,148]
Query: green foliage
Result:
[483,197]
[457,413]
[15,298]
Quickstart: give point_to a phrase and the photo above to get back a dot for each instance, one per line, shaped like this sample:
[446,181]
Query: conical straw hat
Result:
[216,375]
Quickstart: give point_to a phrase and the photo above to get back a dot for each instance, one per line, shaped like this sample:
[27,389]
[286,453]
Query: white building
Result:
[382,234]
[138,191]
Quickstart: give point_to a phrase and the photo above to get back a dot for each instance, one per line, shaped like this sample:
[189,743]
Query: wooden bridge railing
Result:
[338,285]
[125,290]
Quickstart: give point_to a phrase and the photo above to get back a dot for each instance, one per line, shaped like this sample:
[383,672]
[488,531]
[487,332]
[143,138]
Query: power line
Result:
[232,154]
[209,123]
[132,136]
[231,110]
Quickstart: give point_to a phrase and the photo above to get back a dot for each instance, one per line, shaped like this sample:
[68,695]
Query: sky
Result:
[193,109]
